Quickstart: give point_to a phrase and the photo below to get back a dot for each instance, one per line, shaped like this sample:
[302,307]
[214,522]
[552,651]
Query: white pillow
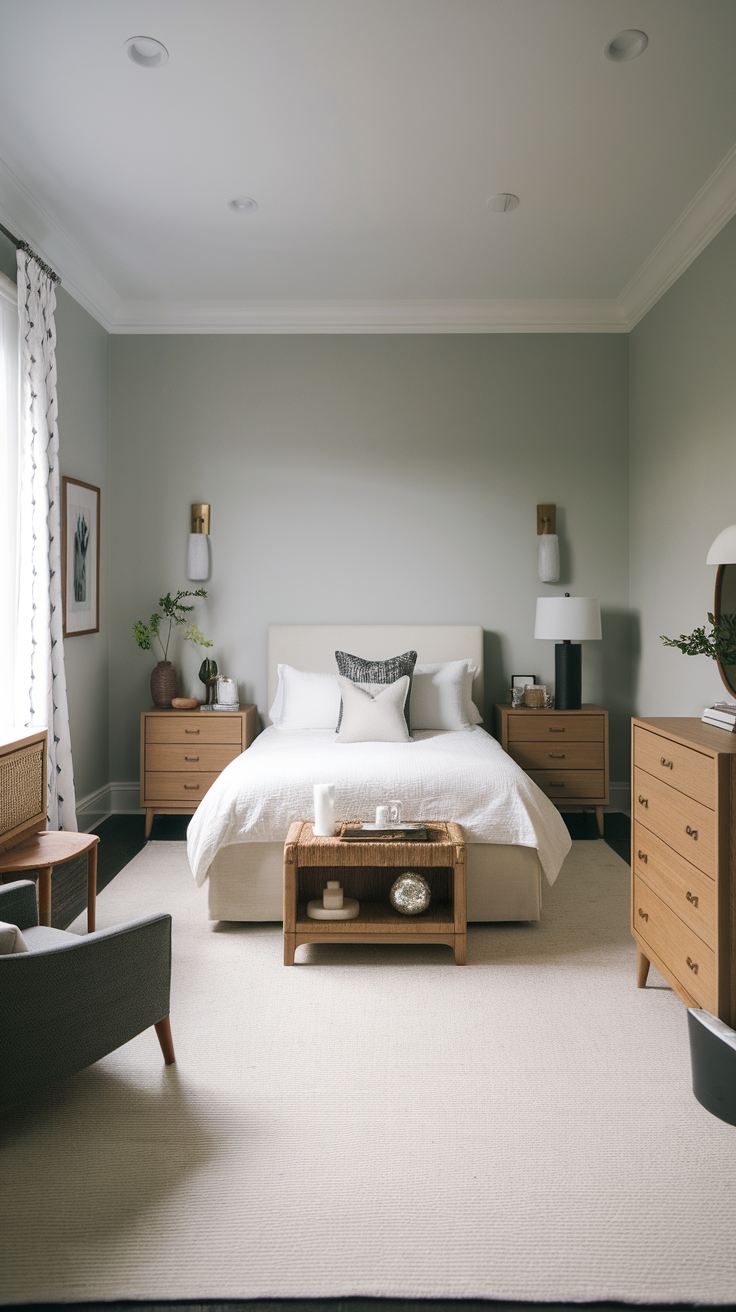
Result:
[369,719]
[11,939]
[441,696]
[305,700]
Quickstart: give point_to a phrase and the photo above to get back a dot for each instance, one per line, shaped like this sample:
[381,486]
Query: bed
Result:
[514,834]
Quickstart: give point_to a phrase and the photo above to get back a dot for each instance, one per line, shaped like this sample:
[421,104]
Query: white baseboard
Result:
[124,799]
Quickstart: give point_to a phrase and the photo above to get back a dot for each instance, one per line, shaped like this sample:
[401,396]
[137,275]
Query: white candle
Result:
[324,810]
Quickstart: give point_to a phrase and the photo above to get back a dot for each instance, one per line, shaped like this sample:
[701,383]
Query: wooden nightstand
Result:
[183,752]
[564,752]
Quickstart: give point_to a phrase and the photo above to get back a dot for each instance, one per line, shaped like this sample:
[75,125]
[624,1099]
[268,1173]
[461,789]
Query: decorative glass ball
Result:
[410,893]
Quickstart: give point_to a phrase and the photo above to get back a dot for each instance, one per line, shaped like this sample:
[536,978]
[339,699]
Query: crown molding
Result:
[22,215]
[511,316]
[702,220]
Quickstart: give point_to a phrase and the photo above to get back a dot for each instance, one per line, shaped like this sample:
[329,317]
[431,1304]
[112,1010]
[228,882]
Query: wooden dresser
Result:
[683,859]
[183,752]
[564,752]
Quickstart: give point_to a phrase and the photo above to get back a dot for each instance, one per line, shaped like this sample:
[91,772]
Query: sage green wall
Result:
[368,479]
[683,462]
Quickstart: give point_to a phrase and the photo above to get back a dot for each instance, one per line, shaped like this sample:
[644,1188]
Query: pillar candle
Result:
[324,810]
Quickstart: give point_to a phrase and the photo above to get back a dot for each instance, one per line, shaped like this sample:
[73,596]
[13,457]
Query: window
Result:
[9,366]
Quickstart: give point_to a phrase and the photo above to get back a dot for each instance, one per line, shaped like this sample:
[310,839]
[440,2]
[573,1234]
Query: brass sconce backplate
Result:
[546,519]
[200,518]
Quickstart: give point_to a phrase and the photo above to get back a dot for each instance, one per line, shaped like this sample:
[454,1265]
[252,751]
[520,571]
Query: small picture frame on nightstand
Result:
[521,680]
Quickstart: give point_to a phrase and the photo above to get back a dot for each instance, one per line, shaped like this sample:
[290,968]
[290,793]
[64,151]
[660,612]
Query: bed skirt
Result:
[503,882]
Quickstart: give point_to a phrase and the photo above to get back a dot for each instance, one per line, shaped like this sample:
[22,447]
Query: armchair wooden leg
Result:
[91,888]
[163,1031]
[44,895]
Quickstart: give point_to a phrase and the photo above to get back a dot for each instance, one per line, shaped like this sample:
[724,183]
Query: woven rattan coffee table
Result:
[367,870]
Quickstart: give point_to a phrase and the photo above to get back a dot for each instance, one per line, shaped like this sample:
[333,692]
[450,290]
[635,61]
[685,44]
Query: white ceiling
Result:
[371,133]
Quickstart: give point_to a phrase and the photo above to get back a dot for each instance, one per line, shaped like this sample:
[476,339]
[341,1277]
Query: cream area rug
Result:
[379,1121]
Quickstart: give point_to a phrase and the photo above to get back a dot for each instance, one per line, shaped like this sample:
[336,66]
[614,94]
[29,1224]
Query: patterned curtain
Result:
[40,683]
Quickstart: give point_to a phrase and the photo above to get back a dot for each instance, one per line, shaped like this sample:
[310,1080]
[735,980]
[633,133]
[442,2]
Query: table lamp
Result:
[568,621]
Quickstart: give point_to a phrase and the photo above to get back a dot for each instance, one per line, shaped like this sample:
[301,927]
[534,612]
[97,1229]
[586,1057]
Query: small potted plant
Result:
[164,676]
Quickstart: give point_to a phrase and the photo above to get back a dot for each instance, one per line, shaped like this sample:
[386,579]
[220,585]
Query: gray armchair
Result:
[72,998]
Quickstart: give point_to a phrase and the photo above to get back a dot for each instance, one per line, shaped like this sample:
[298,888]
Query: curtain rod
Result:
[23,246]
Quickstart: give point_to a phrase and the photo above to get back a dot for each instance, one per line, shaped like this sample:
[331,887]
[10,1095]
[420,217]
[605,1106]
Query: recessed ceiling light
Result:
[627,45]
[502,202]
[146,51]
[243,204]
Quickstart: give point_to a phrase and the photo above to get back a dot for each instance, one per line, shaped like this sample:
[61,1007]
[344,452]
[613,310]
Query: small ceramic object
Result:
[382,816]
[163,684]
[535,696]
[184,703]
[334,905]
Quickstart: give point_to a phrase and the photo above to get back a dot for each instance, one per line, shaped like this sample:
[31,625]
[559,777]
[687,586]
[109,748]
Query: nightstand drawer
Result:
[679,821]
[194,728]
[686,955]
[194,756]
[690,893]
[686,770]
[570,784]
[558,756]
[555,726]
[177,788]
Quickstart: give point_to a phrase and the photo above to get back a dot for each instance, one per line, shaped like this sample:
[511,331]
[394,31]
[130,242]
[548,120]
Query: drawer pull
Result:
[555,730]
[691,833]
[195,786]
[557,756]
[642,857]
[191,758]
[554,784]
[191,730]
[643,801]
[644,915]
[691,898]
[693,965]
[667,764]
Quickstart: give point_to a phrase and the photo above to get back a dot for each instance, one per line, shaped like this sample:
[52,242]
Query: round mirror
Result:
[725,604]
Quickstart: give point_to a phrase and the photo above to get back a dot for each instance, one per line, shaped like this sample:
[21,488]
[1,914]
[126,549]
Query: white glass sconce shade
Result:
[549,558]
[198,556]
[723,550]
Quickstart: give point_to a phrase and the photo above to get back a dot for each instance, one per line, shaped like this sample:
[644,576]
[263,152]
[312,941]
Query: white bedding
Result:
[463,776]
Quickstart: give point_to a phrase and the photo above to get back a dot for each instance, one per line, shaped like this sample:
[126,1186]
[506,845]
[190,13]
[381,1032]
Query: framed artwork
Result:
[521,680]
[80,557]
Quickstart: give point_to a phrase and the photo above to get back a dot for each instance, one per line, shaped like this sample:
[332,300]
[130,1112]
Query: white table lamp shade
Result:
[723,550]
[568,619]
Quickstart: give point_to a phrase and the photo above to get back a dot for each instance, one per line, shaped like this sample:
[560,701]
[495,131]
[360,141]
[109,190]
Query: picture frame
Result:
[521,680]
[80,557]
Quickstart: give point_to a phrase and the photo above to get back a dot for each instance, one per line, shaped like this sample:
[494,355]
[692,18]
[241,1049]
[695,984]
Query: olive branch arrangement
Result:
[719,645]
[175,612]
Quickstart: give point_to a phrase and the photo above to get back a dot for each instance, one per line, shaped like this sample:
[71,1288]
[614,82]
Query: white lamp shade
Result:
[198,556]
[568,619]
[723,550]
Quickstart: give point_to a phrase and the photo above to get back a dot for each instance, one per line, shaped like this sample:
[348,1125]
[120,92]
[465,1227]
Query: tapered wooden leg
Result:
[163,1030]
[599,818]
[44,895]
[149,821]
[460,949]
[289,949]
[91,888]
[642,968]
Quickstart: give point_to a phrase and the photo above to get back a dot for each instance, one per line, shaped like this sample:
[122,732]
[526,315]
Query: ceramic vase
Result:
[163,684]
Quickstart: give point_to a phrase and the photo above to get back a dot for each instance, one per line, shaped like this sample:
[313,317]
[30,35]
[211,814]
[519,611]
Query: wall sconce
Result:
[198,555]
[549,544]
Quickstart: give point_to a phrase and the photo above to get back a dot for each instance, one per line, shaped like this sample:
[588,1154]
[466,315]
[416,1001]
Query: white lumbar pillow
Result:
[441,696]
[11,939]
[373,719]
[305,700]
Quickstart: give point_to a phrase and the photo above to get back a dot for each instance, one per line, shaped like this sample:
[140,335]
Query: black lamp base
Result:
[568,676]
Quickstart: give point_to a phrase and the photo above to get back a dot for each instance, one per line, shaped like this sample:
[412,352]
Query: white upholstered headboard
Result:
[313,646]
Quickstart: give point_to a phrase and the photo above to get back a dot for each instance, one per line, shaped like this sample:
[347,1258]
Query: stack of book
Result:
[722,715]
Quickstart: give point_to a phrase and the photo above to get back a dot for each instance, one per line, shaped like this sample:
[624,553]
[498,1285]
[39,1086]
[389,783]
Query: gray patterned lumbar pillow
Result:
[361,671]
[374,719]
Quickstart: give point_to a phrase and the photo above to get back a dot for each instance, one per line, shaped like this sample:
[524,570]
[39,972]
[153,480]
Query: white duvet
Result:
[464,776]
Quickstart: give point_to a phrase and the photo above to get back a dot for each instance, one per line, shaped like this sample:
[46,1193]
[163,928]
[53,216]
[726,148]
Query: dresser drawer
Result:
[690,893]
[558,756]
[194,756]
[554,727]
[572,784]
[195,729]
[681,822]
[688,958]
[178,788]
[685,769]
